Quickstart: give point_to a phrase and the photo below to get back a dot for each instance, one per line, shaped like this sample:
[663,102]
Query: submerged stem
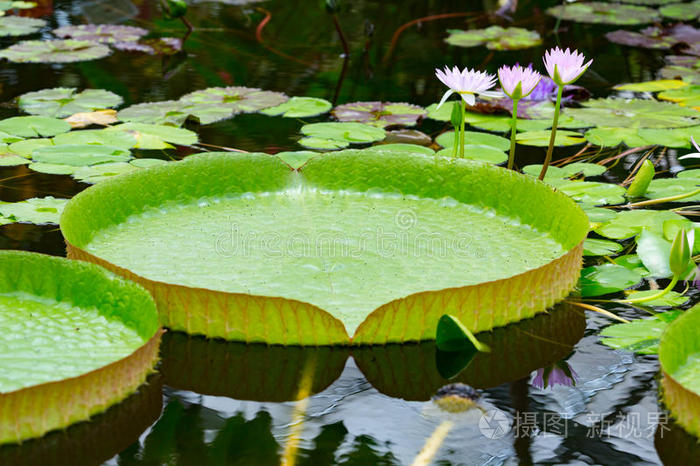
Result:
[461,134]
[553,135]
[658,295]
[513,129]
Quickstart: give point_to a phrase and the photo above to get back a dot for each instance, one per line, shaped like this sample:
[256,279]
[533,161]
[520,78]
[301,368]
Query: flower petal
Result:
[445,96]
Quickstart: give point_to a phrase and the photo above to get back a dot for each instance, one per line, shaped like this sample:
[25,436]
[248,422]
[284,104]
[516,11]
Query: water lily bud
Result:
[680,253]
[642,179]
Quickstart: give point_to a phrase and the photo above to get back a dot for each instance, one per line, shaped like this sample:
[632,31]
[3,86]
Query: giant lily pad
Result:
[71,331]
[635,113]
[101,33]
[324,277]
[62,102]
[495,38]
[19,25]
[679,355]
[54,51]
[605,13]
[379,113]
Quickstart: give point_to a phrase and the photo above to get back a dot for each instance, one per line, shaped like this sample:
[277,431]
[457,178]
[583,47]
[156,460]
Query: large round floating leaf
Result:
[39,210]
[19,25]
[188,238]
[495,38]
[62,102]
[71,331]
[34,126]
[54,51]
[101,33]
[379,113]
[339,135]
[635,113]
[605,13]
[679,356]
[299,107]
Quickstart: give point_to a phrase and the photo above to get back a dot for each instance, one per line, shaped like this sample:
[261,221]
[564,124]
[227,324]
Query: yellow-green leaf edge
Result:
[273,320]
[33,411]
[678,342]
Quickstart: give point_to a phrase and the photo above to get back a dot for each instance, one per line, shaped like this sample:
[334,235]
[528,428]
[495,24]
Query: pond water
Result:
[226,403]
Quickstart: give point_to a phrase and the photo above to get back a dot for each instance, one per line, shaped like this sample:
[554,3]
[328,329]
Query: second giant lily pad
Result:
[245,248]
[75,340]
[679,355]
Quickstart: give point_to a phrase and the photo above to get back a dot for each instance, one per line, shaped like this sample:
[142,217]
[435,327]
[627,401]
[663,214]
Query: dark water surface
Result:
[225,403]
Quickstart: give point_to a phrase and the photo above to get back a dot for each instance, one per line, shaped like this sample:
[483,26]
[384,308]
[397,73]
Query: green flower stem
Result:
[552,137]
[661,200]
[461,134]
[456,142]
[660,294]
[513,130]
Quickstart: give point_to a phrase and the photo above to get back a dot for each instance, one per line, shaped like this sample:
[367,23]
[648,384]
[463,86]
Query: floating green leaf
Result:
[630,223]
[80,155]
[600,247]
[541,138]
[681,11]
[379,114]
[39,210]
[641,336]
[96,173]
[604,13]
[34,126]
[299,107]
[592,193]
[668,187]
[654,251]
[652,86]
[19,25]
[101,33]
[54,51]
[339,135]
[567,171]
[687,96]
[62,102]
[400,149]
[156,136]
[605,279]
[495,38]
[635,113]
[296,159]
[218,103]
[168,112]
[474,138]
[632,262]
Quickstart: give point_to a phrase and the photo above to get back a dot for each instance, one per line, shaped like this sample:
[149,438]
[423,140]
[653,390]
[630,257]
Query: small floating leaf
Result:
[38,210]
[299,107]
[635,113]
[344,132]
[652,86]
[681,11]
[600,247]
[475,138]
[654,251]
[156,136]
[380,114]
[641,336]
[19,25]
[495,38]
[541,138]
[96,173]
[34,126]
[605,279]
[54,51]
[604,13]
[80,155]
[630,223]
[101,33]
[63,102]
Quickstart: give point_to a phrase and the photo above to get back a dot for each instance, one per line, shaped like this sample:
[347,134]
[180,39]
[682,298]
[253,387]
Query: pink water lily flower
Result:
[694,155]
[518,82]
[467,83]
[565,66]
[557,374]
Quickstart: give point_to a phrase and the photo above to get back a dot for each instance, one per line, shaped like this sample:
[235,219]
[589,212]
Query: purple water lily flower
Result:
[557,374]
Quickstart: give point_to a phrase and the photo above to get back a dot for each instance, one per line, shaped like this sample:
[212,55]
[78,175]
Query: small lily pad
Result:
[19,25]
[632,262]
[600,247]
[605,279]
[635,113]
[495,38]
[567,171]
[670,299]
[96,173]
[80,155]
[667,187]
[168,112]
[296,159]
[541,138]
[322,143]
[481,153]
[62,102]
[147,162]
[688,96]
[38,210]
[630,223]
[401,148]
[54,51]
[681,11]
[652,86]
[379,114]
[34,126]
[612,137]
[103,137]
[7,160]
[340,134]
[52,168]
[299,107]
[641,336]
[156,136]
[605,13]
[217,103]
[101,33]
[593,193]
[474,138]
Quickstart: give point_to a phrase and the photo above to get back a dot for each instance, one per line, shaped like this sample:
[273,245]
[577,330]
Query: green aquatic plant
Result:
[494,38]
